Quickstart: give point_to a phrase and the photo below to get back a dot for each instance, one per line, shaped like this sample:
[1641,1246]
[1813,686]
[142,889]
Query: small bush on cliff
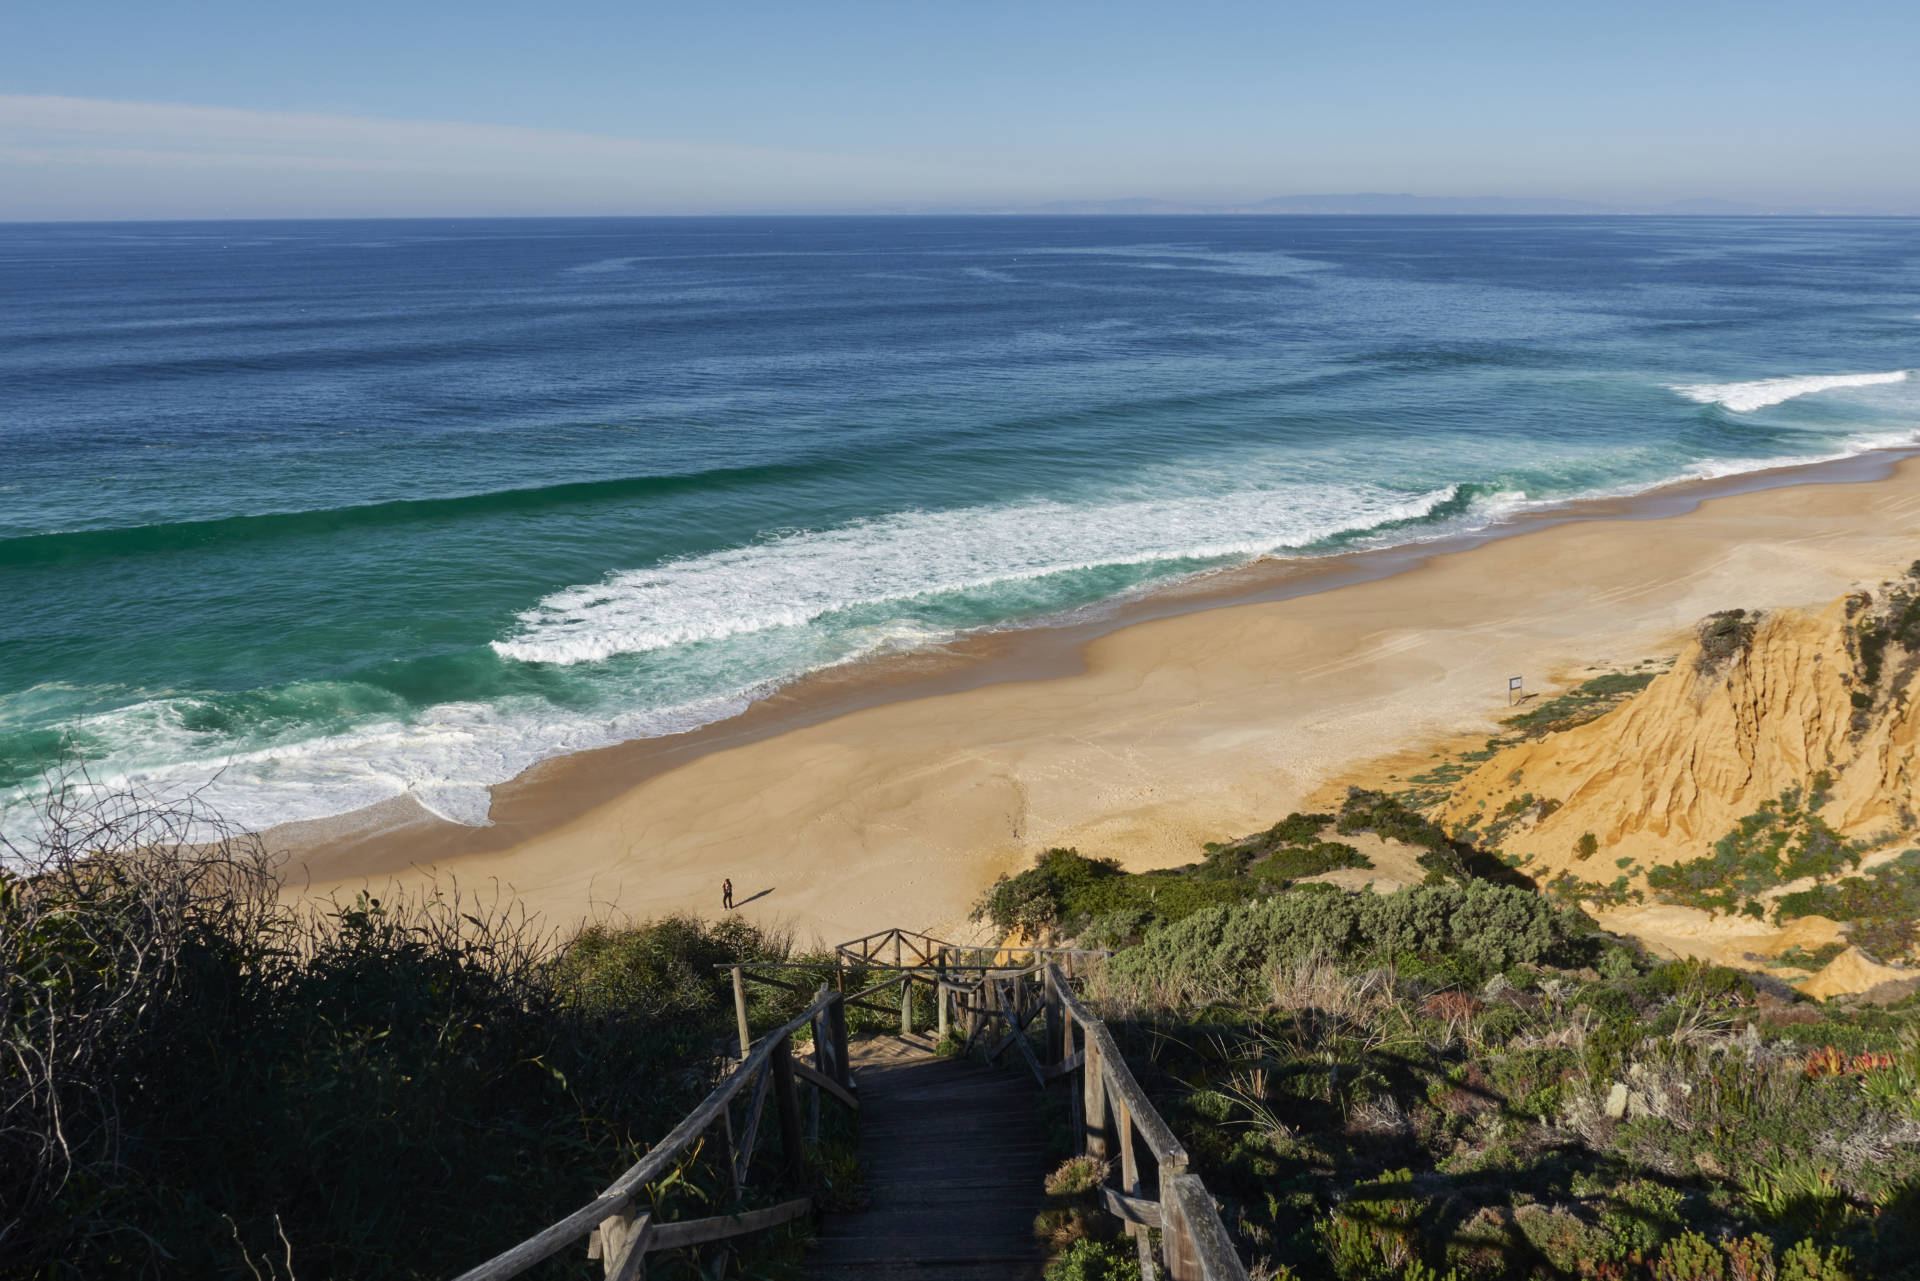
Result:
[1287,851]
[1588,701]
[1881,908]
[1722,636]
[1445,859]
[1065,892]
[1782,841]
[1229,952]
[1040,897]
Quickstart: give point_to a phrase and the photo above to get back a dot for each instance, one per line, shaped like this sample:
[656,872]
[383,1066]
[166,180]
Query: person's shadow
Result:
[742,902]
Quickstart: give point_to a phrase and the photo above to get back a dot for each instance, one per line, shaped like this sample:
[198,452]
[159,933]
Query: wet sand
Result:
[894,790]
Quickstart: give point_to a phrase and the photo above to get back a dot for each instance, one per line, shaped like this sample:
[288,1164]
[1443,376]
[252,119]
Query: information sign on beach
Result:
[1513,687]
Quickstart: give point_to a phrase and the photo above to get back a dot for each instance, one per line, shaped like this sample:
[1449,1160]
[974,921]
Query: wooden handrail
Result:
[1166,1149]
[620,1193]
[1103,1092]
[1194,1242]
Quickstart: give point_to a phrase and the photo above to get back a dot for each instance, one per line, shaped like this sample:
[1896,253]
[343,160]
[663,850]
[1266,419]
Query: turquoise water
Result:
[313,514]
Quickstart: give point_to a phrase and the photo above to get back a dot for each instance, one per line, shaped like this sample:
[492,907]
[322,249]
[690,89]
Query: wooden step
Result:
[956,1165]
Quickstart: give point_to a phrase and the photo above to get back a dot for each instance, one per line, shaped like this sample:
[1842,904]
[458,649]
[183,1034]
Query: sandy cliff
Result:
[1756,705]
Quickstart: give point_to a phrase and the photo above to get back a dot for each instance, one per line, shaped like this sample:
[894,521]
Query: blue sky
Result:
[112,108]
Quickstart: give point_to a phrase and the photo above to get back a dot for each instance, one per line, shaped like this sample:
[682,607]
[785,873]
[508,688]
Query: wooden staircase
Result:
[955,1164]
[956,1158]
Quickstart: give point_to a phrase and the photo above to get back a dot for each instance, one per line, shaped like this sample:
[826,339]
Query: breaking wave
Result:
[1742,398]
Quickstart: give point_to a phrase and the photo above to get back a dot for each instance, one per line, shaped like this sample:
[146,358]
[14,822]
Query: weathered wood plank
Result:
[813,1076]
[750,1134]
[780,983]
[1207,1252]
[631,1262]
[956,1168]
[1131,1209]
[675,1236]
[1072,1063]
[892,980]
[787,1103]
[549,1241]
[1020,1039]
[1093,1088]
[740,1011]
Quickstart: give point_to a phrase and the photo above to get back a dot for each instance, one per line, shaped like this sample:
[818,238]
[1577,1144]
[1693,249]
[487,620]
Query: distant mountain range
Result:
[1373,202]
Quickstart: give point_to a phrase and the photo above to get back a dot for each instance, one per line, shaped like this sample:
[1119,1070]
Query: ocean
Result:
[310,515]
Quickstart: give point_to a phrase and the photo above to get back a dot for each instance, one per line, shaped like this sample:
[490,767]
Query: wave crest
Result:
[1743,398]
[919,556]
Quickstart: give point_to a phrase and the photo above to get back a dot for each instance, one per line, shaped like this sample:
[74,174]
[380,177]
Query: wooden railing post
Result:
[1176,1242]
[1054,1052]
[1076,1090]
[740,1010]
[906,1006]
[837,1024]
[787,1100]
[728,1156]
[1094,1123]
[823,1040]
[940,1006]
[822,1062]
[1129,1162]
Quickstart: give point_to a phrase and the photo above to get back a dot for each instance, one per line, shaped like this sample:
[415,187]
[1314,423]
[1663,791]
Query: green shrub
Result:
[1805,1261]
[1229,950]
[1039,897]
[385,1088]
[1881,908]
[1782,841]
[1067,893]
[1310,860]
[1088,1260]
[1724,635]
[1690,1257]
[1376,812]
[1586,702]
[1375,1234]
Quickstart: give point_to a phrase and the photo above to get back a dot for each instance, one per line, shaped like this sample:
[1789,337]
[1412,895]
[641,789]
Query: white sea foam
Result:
[1851,447]
[1743,398]
[794,579]
[446,759]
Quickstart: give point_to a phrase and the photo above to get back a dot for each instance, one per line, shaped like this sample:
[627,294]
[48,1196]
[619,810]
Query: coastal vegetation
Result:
[1467,1079]
[203,1080]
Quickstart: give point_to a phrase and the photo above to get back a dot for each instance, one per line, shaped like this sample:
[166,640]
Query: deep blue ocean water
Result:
[330,511]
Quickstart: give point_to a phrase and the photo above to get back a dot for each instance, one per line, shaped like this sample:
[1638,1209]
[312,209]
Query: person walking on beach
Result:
[726,894]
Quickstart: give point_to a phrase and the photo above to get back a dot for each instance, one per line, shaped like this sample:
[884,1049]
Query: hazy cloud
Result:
[93,158]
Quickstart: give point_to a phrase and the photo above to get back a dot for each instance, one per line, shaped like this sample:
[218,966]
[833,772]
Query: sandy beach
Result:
[892,793]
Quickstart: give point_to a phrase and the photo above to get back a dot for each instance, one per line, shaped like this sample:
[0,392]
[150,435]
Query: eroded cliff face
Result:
[1755,706]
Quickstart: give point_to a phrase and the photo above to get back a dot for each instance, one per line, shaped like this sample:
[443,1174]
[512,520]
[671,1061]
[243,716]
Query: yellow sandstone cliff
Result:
[1754,706]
